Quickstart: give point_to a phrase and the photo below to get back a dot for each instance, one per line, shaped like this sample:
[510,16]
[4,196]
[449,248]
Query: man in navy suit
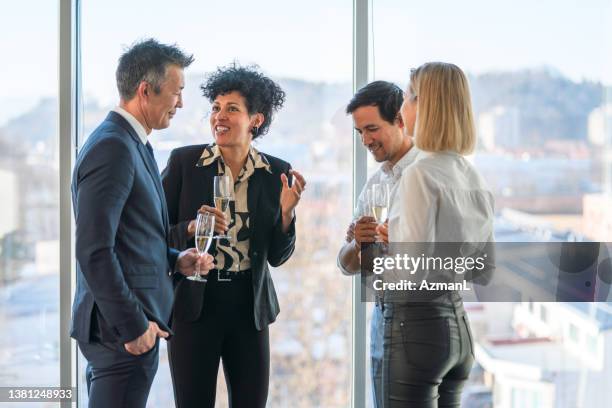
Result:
[124,289]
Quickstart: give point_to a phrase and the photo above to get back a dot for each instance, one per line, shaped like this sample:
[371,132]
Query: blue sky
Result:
[572,37]
[309,40]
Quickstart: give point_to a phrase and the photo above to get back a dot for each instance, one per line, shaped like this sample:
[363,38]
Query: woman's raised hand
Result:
[290,196]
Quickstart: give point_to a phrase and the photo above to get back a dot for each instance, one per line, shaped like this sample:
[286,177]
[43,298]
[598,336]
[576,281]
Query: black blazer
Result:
[188,187]
[123,258]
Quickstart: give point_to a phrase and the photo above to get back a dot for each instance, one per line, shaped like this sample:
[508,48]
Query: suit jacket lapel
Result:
[154,173]
[149,163]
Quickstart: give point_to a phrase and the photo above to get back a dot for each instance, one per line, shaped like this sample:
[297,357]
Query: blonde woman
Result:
[441,198]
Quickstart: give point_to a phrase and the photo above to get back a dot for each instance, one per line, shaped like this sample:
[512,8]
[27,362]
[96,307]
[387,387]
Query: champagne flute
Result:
[205,226]
[222,197]
[366,209]
[379,201]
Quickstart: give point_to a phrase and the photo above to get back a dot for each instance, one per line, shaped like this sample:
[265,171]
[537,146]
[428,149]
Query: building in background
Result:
[559,356]
[600,125]
[500,127]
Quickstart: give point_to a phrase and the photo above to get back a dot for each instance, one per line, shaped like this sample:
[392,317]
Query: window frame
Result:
[70,125]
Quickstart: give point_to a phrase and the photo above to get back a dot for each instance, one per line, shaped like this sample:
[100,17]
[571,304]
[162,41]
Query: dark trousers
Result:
[376,354]
[225,331]
[116,378]
[428,355]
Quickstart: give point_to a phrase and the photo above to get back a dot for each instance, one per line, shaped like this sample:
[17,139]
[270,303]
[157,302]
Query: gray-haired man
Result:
[124,292]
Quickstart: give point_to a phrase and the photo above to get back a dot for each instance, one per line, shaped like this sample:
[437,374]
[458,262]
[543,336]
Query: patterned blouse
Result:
[232,254]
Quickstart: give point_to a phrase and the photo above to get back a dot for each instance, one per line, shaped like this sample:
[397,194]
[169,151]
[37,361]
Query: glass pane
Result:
[540,92]
[29,208]
[307,48]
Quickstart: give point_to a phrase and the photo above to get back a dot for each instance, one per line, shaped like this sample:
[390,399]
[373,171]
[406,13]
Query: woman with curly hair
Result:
[226,318]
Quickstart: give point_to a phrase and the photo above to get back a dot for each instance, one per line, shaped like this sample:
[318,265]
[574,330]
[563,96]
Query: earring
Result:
[254,131]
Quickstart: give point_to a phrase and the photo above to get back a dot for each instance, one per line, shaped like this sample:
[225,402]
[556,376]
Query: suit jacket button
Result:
[254,253]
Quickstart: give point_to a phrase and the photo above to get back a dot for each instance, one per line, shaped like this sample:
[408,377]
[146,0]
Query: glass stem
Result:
[198,268]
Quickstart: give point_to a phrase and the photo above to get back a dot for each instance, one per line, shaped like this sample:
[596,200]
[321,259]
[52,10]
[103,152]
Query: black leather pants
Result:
[428,354]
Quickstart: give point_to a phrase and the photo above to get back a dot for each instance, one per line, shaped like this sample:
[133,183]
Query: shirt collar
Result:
[212,152]
[422,154]
[406,160]
[136,125]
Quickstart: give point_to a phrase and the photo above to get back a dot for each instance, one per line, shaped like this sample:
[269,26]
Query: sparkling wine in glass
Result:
[379,201]
[205,226]
[223,196]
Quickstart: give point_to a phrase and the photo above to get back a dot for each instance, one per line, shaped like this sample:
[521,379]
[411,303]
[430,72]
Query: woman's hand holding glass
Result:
[221,224]
[223,194]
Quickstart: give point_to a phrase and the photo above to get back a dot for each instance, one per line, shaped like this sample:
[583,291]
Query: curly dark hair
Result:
[262,95]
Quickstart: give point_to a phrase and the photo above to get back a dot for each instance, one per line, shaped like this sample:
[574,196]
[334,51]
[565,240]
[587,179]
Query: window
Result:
[518,398]
[543,117]
[311,340]
[540,148]
[592,343]
[543,313]
[574,333]
[525,398]
[29,209]
[542,111]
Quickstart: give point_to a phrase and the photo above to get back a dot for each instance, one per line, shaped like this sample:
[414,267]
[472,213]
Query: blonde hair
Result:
[444,108]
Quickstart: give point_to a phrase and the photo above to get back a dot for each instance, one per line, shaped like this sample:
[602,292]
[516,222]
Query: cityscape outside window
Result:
[540,75]
[311,339]
[544,121]
[29,203]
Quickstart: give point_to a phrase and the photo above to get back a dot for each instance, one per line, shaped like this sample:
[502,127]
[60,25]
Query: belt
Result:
[228,276]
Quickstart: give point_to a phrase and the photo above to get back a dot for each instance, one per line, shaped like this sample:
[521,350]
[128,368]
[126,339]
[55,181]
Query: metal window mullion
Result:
[361,76]
[67,137]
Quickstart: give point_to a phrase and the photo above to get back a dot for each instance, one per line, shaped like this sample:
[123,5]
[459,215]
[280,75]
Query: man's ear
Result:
[143,89]
[399,121]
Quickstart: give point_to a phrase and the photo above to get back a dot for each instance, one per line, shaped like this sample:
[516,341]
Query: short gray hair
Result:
[147,60]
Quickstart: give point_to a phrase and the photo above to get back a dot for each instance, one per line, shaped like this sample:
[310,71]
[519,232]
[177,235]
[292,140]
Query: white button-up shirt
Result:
[136,125]
[441,198]
[387,173]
